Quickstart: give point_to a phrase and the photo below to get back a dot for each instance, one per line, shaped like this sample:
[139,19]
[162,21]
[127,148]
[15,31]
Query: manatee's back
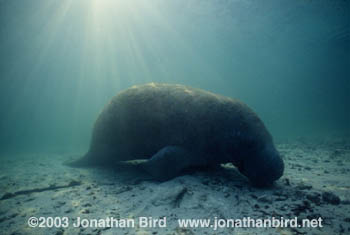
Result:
[143,119]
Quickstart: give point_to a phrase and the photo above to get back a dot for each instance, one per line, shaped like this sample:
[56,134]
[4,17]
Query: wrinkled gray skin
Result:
[177,127]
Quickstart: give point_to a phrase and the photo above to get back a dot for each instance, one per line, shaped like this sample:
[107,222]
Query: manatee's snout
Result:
[264,167]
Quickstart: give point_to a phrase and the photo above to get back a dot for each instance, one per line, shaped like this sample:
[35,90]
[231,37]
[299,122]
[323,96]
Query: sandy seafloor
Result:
[316,183]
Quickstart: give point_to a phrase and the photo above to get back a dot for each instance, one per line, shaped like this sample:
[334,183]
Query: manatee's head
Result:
[263,166]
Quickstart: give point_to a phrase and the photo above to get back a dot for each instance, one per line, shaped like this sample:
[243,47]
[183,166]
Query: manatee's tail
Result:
[85,161]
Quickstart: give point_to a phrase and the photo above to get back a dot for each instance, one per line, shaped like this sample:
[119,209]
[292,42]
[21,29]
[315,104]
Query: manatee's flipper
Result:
[169,162]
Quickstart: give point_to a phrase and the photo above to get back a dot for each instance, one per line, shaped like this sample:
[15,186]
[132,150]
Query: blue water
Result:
[62,61]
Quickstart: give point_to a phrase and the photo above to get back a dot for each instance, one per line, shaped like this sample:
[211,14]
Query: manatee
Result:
[176,127]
